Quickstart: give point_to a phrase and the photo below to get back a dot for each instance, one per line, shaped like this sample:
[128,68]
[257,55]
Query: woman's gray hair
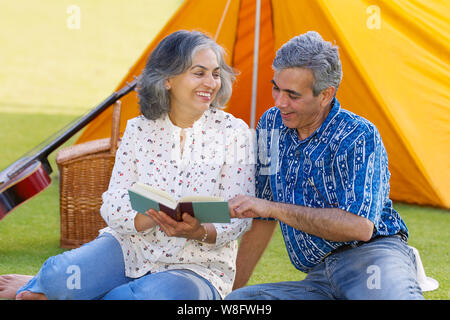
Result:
[172,57]
[310,51]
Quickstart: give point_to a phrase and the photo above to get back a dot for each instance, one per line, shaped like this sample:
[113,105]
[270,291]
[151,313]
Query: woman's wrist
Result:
[207,233]
[205,236]
[143,222]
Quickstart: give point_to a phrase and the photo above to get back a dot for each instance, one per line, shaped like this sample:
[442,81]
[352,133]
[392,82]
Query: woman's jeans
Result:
[381,269]
[96,270]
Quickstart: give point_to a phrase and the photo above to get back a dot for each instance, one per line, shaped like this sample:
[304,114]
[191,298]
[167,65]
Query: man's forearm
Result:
[329,223]
[251,248]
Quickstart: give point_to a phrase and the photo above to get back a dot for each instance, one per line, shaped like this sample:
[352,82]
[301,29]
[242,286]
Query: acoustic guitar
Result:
[30,175]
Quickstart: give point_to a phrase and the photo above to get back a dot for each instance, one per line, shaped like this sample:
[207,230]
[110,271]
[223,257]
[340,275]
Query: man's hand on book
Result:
[249,207]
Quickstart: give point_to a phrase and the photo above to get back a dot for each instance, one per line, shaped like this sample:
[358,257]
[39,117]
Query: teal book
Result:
[205,209]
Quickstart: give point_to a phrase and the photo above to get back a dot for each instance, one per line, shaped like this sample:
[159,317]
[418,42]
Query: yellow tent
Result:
[395,56]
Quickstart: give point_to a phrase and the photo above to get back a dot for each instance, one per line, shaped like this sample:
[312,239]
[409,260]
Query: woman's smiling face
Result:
[193,91]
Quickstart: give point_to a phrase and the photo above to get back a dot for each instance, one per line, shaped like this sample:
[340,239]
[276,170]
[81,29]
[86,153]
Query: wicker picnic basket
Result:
[85,170]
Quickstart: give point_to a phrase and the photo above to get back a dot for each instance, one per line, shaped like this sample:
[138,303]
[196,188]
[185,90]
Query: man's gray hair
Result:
[310,51]
[172,57]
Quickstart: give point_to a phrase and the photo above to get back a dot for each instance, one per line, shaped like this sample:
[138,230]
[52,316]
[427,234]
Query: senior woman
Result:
[184,144]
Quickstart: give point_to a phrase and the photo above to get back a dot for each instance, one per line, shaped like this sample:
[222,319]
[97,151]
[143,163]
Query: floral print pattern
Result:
[217,160]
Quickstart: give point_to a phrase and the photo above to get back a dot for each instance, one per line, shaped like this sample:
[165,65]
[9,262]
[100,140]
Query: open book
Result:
[204,208]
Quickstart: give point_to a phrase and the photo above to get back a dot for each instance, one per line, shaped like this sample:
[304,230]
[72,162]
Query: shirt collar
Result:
[197,124]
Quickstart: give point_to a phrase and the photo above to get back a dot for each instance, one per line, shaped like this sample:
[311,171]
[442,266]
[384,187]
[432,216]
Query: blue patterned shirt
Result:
[343,164]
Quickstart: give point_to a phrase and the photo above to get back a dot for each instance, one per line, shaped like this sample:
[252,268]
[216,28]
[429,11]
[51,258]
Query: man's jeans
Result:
[383,268]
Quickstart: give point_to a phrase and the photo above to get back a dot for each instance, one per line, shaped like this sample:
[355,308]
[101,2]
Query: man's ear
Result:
[327,95]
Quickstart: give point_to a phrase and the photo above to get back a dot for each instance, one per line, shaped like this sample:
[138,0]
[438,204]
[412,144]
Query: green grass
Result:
[51,75]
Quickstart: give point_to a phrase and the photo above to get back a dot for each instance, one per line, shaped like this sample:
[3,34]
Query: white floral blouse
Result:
[217,160]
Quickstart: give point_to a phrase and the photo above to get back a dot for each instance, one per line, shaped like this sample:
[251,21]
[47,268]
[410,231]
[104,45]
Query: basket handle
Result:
[115,127]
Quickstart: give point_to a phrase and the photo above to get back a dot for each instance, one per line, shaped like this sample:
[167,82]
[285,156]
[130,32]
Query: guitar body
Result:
[22,186]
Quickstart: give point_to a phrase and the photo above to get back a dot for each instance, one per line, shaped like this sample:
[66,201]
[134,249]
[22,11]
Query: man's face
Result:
[293,96]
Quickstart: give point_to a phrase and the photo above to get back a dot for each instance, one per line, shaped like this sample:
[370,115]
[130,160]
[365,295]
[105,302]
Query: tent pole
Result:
[255,64]
[219,27]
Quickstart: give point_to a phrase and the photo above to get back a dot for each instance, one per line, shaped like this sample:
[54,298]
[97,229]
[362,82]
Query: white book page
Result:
[155,194]
[200,199]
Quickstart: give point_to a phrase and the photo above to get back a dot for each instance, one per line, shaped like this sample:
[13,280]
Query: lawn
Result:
[51,74]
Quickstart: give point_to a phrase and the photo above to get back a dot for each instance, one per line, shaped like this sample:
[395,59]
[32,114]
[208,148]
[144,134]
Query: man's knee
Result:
[392,284]
[386,272]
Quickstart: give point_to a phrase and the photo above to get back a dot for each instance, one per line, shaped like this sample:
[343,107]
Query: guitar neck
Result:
[52,146]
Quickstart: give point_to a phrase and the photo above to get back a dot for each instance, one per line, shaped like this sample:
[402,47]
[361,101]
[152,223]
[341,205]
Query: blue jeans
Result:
[96,270]
[381,269]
